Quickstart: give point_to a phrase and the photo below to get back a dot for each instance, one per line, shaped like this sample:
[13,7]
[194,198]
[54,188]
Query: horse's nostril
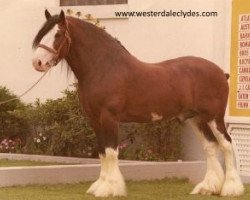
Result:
[39,63]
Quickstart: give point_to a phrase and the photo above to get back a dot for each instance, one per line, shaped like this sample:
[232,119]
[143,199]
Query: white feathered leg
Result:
[233,185]
[110,182]
[214,177]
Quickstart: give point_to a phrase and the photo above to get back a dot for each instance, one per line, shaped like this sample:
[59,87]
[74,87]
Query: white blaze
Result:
[42,54]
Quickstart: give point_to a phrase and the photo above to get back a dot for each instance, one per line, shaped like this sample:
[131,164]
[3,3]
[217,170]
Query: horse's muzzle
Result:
[37,64]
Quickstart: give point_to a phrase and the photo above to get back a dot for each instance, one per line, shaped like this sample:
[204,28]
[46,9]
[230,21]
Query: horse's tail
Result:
[227,76]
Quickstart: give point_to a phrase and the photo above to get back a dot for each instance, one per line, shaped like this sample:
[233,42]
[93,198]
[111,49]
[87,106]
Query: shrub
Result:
[12,124]
[59,128]
[153,141]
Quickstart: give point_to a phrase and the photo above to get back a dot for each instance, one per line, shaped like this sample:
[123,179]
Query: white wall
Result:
[158,38]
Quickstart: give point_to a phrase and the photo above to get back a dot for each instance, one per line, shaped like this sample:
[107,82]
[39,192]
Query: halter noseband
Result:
[56,57]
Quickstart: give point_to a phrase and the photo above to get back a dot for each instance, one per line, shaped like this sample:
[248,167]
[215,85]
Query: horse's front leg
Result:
[110,182]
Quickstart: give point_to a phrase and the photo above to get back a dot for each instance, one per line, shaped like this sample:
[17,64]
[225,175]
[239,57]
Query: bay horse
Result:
[115,87]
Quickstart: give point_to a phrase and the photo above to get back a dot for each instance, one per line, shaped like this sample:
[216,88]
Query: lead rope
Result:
[18,97]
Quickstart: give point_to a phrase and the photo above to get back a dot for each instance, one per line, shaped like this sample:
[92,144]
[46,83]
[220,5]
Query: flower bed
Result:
[10,146]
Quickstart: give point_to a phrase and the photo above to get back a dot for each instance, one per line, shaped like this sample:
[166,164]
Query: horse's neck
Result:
[90,56]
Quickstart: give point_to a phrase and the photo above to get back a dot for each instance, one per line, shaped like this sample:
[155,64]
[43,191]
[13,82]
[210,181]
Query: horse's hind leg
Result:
[110,182]
[214,177]
[232,185]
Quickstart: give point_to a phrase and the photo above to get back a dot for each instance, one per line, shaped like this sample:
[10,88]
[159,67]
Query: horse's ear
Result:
[62,18]
[47,14]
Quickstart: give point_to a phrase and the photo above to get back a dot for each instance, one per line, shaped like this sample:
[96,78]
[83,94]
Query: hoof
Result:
[110,188]
[106,188]
[211,186]
[94,186]
[232,187]
[202,189]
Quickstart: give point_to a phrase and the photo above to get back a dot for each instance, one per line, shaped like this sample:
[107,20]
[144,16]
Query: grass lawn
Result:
[143,190]
[15,163]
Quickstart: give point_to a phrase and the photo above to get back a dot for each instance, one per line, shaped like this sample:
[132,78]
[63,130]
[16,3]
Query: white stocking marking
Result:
[214,177]
[110,182]
[232,185]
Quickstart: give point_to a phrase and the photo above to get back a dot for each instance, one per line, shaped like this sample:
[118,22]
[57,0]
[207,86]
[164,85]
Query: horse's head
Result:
[52,42]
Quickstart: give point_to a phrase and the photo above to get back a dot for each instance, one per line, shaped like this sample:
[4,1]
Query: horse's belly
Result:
[146,114]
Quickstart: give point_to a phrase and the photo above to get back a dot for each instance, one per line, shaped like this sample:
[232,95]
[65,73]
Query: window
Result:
[91,2]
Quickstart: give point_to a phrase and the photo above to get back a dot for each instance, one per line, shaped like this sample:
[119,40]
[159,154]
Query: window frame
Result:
[91,2]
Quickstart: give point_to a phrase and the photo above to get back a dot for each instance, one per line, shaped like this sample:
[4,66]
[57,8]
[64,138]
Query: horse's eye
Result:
[57,35]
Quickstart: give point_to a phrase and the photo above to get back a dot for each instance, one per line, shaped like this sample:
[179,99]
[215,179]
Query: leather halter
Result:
[56,57]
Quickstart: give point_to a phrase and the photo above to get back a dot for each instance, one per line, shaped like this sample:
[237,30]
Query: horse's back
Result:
[192,65]
[198,71]
[203,84]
